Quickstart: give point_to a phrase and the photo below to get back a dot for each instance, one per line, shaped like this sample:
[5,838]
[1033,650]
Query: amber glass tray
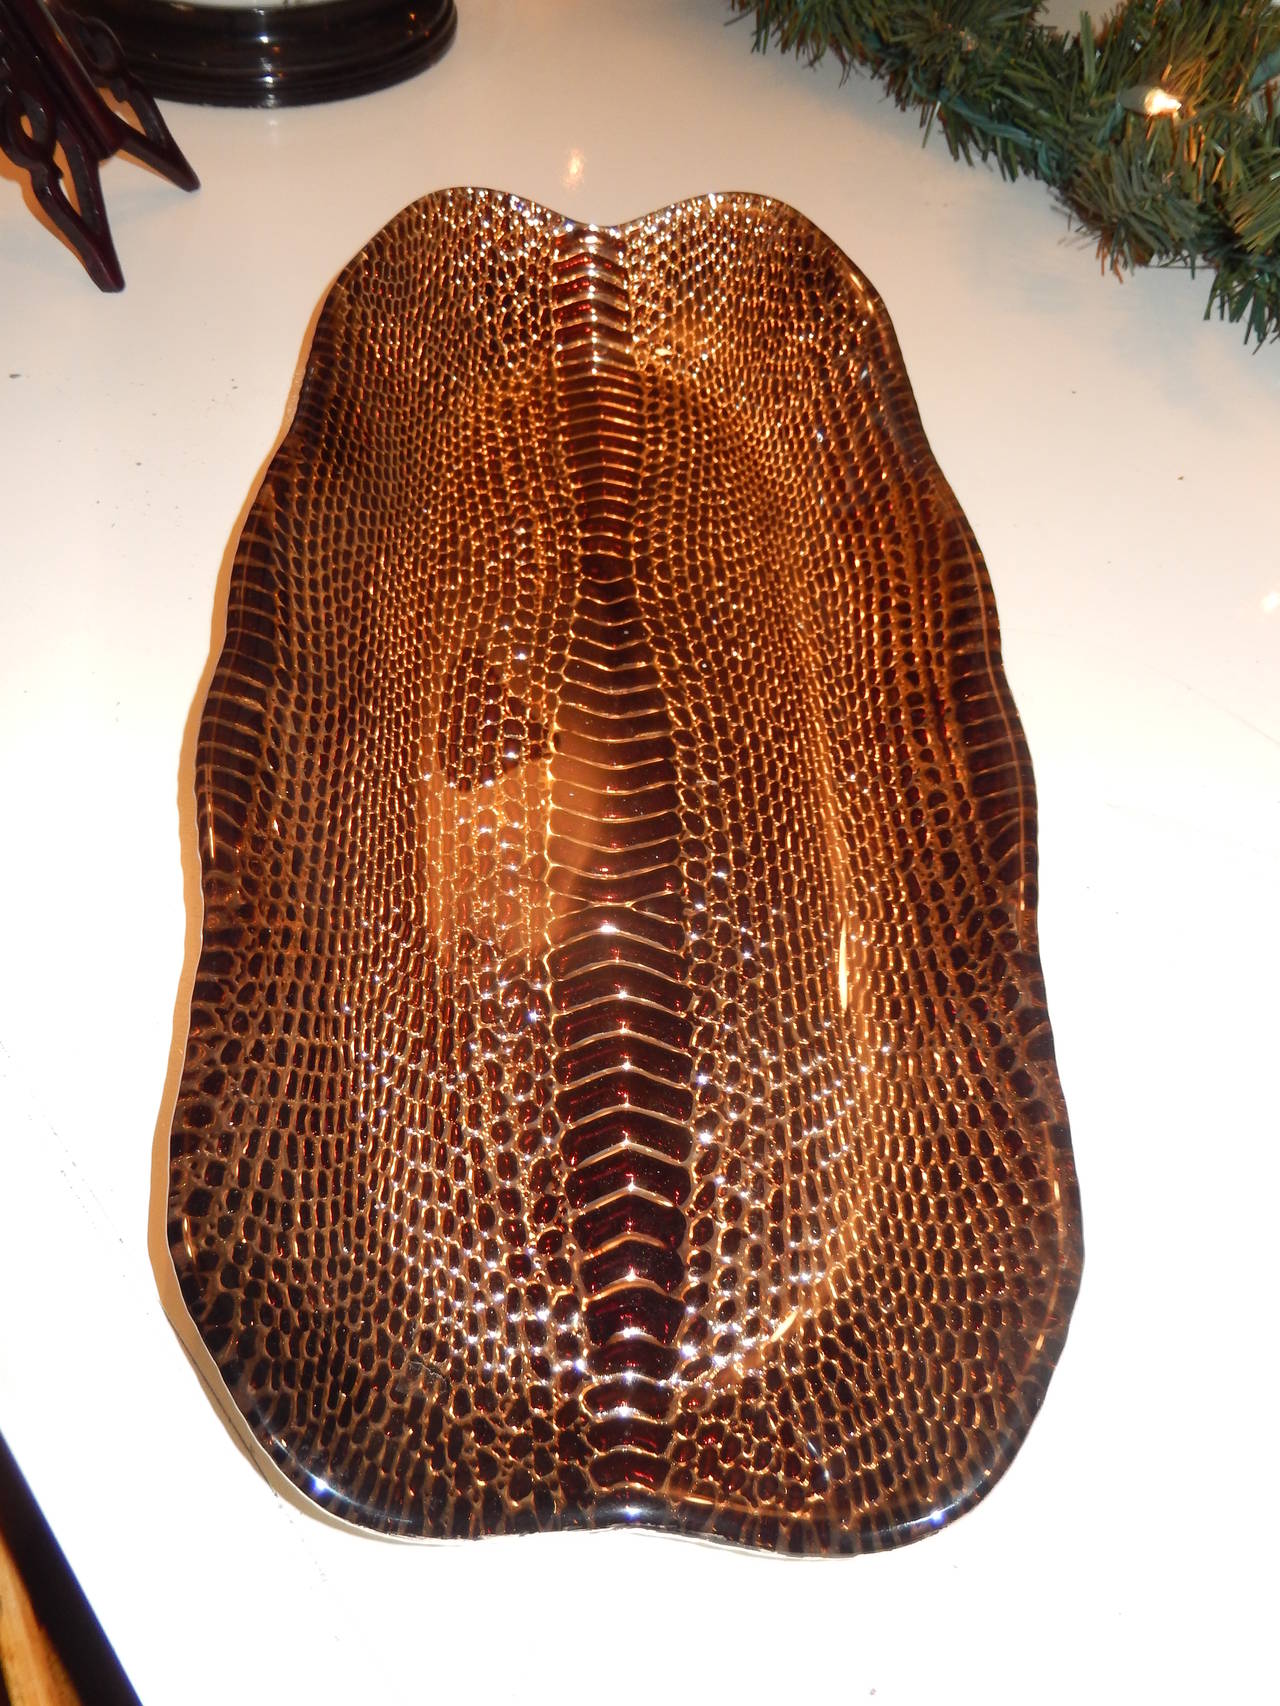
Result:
[619,1085]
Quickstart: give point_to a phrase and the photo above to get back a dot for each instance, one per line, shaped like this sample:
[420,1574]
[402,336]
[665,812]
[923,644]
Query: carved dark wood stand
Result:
[53,63]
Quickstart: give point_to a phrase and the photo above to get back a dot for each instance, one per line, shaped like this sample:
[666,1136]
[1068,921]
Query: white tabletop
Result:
[1117,458]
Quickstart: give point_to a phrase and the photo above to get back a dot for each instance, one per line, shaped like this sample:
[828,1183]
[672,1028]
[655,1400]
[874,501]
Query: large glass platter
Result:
[619,1085]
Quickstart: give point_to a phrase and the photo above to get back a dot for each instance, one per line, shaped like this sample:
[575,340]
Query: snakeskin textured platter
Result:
[619,1085]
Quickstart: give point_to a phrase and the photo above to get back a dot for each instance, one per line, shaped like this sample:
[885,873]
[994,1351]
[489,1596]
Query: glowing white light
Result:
[1159,102]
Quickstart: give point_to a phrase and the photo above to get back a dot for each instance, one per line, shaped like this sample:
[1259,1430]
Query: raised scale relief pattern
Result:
[619,1085]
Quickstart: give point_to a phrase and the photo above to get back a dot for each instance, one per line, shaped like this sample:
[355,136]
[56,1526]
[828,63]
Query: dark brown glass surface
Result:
[619,1084]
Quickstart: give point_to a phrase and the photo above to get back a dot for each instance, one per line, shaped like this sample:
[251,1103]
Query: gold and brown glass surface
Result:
[619,1085]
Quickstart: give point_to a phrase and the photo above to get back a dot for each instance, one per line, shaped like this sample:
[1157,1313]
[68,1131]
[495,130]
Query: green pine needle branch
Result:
[1159,129]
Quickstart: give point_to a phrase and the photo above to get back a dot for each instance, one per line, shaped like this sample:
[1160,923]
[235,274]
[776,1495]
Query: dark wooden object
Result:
[53,63]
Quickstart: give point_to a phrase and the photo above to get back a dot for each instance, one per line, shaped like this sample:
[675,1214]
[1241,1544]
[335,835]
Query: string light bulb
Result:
[1151,99]
[1160,101]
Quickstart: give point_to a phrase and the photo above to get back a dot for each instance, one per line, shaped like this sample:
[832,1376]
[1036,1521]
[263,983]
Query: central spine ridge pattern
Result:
[620,986]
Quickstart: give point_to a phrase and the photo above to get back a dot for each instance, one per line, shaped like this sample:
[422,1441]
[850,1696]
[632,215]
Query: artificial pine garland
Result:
[1159,129]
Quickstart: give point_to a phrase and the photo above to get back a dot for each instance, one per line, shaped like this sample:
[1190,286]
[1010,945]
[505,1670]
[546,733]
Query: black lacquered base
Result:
[251,56]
